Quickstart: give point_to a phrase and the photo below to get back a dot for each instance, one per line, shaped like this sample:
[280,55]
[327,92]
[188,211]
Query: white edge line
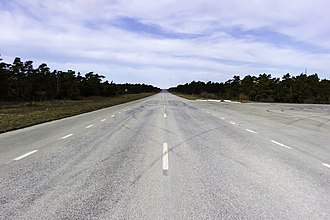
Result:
[326,165]
[165,156]
[89,126]
[251,131]
[66,136]
[103,119]
[282,145]
[25,155]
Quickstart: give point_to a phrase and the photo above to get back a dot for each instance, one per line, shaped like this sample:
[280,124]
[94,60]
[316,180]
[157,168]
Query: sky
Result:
[169,42]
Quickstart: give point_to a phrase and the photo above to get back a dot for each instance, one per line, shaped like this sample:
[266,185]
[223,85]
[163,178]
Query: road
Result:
[164,157]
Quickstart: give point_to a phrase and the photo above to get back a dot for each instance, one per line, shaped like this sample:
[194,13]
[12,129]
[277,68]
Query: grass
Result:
[205,97]
[187,96]
[23,114]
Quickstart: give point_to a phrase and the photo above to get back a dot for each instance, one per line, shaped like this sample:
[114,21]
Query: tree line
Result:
[263,88]
[20,81]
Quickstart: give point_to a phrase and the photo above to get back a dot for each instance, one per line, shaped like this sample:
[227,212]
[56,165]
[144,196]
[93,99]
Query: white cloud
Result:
[78,35]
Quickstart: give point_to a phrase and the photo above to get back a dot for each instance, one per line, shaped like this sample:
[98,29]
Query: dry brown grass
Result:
[186,96]
[18,115]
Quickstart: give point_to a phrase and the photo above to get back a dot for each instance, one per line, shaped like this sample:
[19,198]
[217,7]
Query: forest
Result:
[263,88]
[20,81]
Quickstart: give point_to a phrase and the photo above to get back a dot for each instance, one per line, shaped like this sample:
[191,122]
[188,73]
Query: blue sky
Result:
[165,43]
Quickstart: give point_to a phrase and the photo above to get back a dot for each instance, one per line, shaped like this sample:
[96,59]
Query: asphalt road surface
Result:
[165,157]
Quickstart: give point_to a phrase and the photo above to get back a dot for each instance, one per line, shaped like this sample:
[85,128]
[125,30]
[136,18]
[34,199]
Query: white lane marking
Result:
[207,112]
[125,110]
[25,155]
[251,131]
[103,119]
[165,115]
[165,156]
[325,164]
[164,106]
[89,126]
[233,123]
[119,112]
[66,136]
[128,108]
[112,116]
[222,118]
[280,144]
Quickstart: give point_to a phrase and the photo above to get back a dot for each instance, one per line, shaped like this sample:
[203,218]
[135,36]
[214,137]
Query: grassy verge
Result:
[204,96]
[186,96]
[19,115]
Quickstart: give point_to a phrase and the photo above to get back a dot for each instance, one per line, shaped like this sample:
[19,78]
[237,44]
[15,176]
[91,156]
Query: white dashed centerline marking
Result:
[119,112]
[326,165]
[251,131]
[25,155]
[280,144]
[66,136]
[233,123]
[89,126]
[165,156]
[165,115]
[222,118]
[112,116]
[103,119]
[125,110]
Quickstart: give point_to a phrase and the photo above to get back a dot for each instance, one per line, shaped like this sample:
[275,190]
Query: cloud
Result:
[168,42]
